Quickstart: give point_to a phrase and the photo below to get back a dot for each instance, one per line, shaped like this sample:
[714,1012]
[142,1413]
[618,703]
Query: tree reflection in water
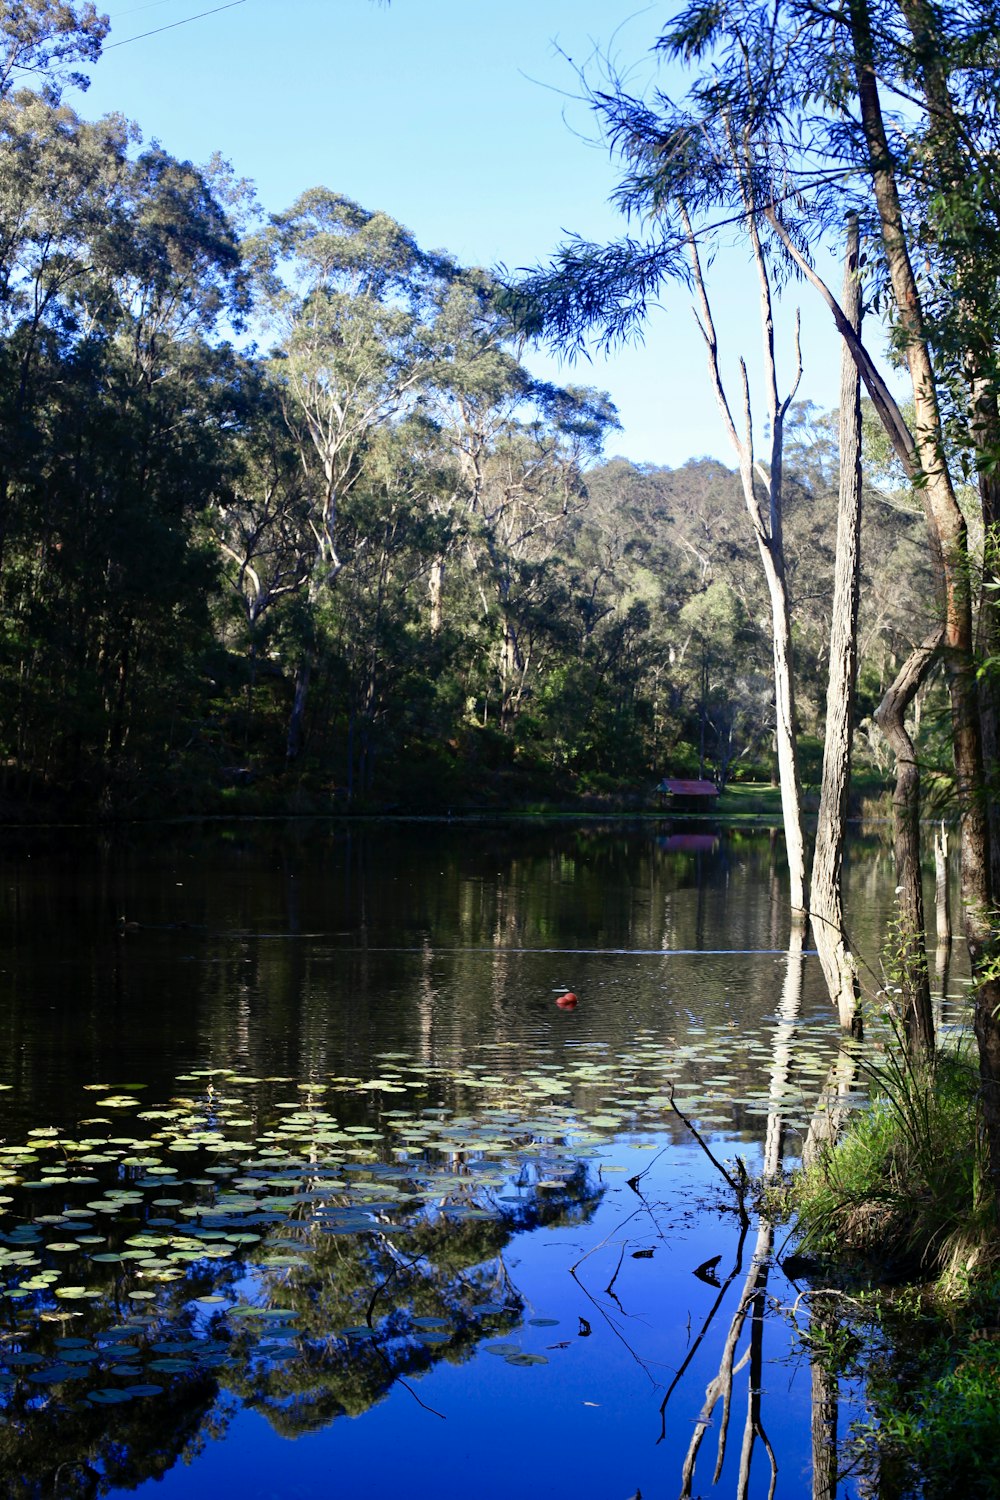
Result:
[752,1303]
[328,1317]
[361,1245]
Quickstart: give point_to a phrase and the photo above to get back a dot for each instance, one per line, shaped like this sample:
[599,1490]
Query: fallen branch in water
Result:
[739,1189]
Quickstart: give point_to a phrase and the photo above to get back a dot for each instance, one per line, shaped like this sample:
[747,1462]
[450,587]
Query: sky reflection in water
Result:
[444,1148]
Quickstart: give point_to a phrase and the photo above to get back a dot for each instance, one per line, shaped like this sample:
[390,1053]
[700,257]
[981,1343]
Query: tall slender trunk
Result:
[511,673]
[947,531]
[826,906]
[985,428]
[918,1016]
[435,589]
[786,731]
[296,722]
[942,895]
[767,528]
[942,909]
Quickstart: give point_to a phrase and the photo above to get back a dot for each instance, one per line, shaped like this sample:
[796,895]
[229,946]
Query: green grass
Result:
[900,1192]
[898,1204]
[749,799]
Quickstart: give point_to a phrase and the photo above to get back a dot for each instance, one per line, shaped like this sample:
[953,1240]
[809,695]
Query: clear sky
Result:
[458,118]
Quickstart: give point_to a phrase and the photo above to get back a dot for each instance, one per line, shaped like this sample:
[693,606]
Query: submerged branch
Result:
[739,1189]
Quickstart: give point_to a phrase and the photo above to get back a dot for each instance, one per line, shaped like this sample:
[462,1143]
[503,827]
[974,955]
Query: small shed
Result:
[687,794]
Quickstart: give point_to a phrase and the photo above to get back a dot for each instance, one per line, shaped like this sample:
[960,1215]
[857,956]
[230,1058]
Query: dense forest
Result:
[286,522]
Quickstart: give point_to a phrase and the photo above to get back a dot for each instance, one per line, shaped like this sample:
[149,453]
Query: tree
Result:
[519,447]
[45,38]
[767,522]
[716,624]
[351,298]
[112,404]
[826,892]
[260,522]
[680,167]
[931,183]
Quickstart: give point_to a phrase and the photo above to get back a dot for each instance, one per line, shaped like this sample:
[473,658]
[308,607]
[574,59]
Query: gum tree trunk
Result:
[760,485]
[918,1016]
[826,906]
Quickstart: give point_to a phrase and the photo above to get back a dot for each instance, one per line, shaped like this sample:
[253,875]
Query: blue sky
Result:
[458,118]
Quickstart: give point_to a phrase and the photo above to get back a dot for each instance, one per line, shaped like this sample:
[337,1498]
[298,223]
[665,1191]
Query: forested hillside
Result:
[285,522]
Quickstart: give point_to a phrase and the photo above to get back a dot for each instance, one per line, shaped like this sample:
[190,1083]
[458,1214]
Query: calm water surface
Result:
[309,1187]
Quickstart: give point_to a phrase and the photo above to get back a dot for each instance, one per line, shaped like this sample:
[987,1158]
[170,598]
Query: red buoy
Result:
[567,1001]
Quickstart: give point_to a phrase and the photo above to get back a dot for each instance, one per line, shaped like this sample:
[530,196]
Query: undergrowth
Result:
[900,1194]
[936,1414]
[900,1205]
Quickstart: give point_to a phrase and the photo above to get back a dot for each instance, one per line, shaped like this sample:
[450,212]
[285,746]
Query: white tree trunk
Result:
[767,527]
[825,898]
[785,731]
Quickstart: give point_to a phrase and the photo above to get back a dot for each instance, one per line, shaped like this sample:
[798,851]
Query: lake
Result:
[313,1182]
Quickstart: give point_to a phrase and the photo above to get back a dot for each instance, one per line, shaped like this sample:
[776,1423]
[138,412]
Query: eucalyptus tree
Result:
[58,175]
[165,269]
[398,698]
[259,519]
[926,177]
[611,708]
[44,152]
[478,401]
[937,192]
[117,269]
[351,300]
[533,487]
[43,41]
[519,449]
[730,694]
[826,883]
[682,166]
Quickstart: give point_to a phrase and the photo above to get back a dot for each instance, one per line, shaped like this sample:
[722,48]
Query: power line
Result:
[134,9]
[173,25]
[21,68]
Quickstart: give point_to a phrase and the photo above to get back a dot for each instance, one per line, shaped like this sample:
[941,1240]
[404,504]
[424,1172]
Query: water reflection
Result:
[311,949]
[342,1148]
[752,1299]
[301,1271]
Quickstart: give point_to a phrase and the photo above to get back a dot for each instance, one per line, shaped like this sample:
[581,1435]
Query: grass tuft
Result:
[900,1193]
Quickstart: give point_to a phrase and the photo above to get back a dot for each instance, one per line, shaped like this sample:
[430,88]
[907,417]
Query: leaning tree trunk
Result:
[918,1016]
[826,906]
